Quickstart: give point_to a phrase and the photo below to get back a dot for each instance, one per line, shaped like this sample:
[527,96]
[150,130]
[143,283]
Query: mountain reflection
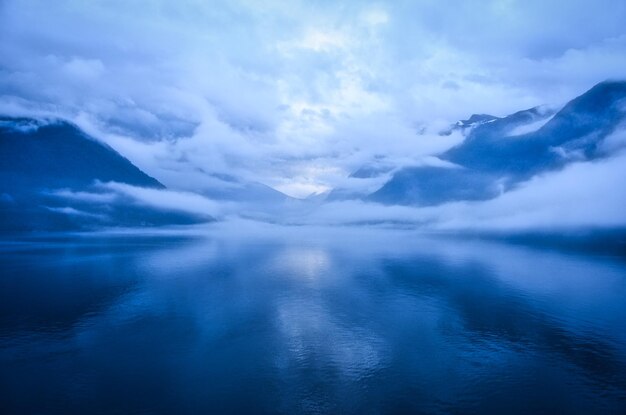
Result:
[376,322]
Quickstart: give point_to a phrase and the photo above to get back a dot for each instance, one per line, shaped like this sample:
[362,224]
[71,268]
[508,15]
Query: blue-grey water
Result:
[308,321]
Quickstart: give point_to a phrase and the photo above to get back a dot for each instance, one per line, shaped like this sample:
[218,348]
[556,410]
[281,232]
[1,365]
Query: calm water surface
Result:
[305,321]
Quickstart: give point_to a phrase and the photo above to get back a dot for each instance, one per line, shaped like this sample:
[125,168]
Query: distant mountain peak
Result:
[499,153]
[600,109]
[477,119]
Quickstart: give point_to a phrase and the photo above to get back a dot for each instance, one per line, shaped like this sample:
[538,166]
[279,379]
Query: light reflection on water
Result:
[309,322]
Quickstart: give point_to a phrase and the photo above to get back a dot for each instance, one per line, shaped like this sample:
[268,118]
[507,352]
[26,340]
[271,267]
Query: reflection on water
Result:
[309,322]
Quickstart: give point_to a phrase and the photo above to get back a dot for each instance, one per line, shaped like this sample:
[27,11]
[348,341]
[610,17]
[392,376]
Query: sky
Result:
[295,94]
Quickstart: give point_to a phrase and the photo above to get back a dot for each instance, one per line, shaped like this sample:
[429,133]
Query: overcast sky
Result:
[295,94]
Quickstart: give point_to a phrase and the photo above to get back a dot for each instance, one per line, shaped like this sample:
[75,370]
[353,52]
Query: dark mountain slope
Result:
[491,160]
[34,155]
[40,157]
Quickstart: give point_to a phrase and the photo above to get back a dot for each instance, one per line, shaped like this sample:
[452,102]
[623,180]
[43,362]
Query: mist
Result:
[215,100]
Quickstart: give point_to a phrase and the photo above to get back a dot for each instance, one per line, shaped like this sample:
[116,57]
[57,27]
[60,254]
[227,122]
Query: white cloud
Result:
[585,194]
[84,69]
[529,128]
[169,200]
[614,141]
[70,211]
[297,95]
[85,196]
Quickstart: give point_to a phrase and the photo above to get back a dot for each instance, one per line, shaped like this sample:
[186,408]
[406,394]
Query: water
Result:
[308,321]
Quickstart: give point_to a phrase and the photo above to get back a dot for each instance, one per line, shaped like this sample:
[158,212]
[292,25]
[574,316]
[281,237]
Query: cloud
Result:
[297,95]
[113,193]
[85,196]
[585,194]
[529,128]
[84,69]
[168,200]
[70,211]
[614,141]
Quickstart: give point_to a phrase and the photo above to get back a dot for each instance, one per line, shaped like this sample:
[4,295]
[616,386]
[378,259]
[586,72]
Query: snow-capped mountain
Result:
[499,153]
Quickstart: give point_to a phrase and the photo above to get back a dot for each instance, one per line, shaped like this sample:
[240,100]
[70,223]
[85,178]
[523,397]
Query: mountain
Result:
[499,153]
[474,120]
[42,160]
[230,188]
[58,153]
[362,181]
